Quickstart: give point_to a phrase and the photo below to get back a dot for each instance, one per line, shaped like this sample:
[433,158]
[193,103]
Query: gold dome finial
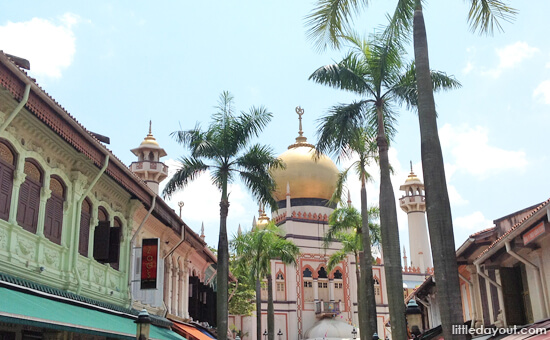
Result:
[150,139]
[300,140]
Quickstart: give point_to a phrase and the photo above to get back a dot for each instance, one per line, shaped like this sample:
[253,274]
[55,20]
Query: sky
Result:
[116,65]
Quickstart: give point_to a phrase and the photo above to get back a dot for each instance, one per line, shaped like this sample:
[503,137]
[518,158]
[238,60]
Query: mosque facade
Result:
[311,301]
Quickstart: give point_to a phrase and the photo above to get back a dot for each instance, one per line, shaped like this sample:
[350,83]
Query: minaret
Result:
[149,167]
[263,220]
[404,259]
[414,204]
[202,232]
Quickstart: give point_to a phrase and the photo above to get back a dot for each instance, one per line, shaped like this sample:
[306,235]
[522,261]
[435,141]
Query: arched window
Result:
[307,272]
[85,218]
[322,273]
[338,274]
[29,196]
[7,168]
[115,256]
[102,236]
[54,211]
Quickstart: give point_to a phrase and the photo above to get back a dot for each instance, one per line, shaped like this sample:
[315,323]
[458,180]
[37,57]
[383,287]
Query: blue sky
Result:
[115,66]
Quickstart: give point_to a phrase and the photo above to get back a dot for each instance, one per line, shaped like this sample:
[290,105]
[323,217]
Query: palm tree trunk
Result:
[438,207]
[367,284]
[223,271]
[258,309]
[270,309]
[390,237]
[363,322]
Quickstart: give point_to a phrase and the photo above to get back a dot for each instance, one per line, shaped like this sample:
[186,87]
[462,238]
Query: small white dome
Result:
[330,329]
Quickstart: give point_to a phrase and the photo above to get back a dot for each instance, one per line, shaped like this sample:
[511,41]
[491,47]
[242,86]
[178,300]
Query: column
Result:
[168,282]
[331,290]
[315,289]
[45,194]
[18,179]
[186,292]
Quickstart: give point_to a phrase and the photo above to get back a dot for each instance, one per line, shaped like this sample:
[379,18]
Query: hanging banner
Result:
[149,261]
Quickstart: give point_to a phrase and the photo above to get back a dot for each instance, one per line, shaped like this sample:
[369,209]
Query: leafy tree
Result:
[240,302]
[346,139]
[224,149]
[345,225]
[375,70]
[328,23]
[255,250]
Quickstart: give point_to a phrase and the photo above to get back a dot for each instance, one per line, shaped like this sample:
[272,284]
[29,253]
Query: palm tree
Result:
[225,145]
[347,140]
[345,227]
[375,70]
[255,250]
[329,22]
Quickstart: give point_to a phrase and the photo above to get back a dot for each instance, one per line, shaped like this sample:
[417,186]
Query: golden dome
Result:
[149,140]
[307,176]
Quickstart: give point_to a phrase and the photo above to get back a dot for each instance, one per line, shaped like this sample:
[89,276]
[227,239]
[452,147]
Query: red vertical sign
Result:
[149,260]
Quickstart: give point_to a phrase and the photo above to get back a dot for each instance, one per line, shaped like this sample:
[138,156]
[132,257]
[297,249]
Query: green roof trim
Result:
[156,320]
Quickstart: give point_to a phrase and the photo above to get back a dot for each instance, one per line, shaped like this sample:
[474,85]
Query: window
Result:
[338,274]
[322,285]
[115,257]
[7,168]
[307,272]
[338,285]
[322,273]
[308,284]
[29,197]
[85,217]
[280,276]
[107,239]
[54,211]
[280,287]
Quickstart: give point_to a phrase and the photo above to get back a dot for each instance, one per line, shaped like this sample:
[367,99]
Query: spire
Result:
[411,167]
[300,140]
[349,198]
[150,124]
[239,230]
[202,231]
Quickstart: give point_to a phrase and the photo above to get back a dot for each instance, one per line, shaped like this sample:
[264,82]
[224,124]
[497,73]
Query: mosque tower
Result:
[148,166]
[414,204]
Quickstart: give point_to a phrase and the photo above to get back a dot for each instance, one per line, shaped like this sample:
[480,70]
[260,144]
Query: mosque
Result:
[311,302]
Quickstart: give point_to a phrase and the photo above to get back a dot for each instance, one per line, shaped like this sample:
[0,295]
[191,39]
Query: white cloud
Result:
[543,91]
[49,46]
[473,222]
[472,153]
[468,68]
[510,56]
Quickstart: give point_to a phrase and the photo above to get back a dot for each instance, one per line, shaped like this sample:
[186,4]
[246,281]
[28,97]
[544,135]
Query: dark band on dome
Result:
[300,202]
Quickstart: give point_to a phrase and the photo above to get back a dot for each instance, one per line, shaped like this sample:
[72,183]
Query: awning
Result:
[27,309]
[190,332]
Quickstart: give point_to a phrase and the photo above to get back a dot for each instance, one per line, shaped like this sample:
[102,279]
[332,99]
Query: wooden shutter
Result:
[84,229]
[6,186]
[114,246]
[54,219]
[102,235]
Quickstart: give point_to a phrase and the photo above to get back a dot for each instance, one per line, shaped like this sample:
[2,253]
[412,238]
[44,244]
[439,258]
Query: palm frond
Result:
[189,170]
[330,20]
[484,15]
[339,126]
[349,75]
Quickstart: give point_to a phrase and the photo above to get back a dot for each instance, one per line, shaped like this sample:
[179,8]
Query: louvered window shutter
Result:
[23,202]
[6,186]
[54,219]
[114,246]
[84,233]
[102,237]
